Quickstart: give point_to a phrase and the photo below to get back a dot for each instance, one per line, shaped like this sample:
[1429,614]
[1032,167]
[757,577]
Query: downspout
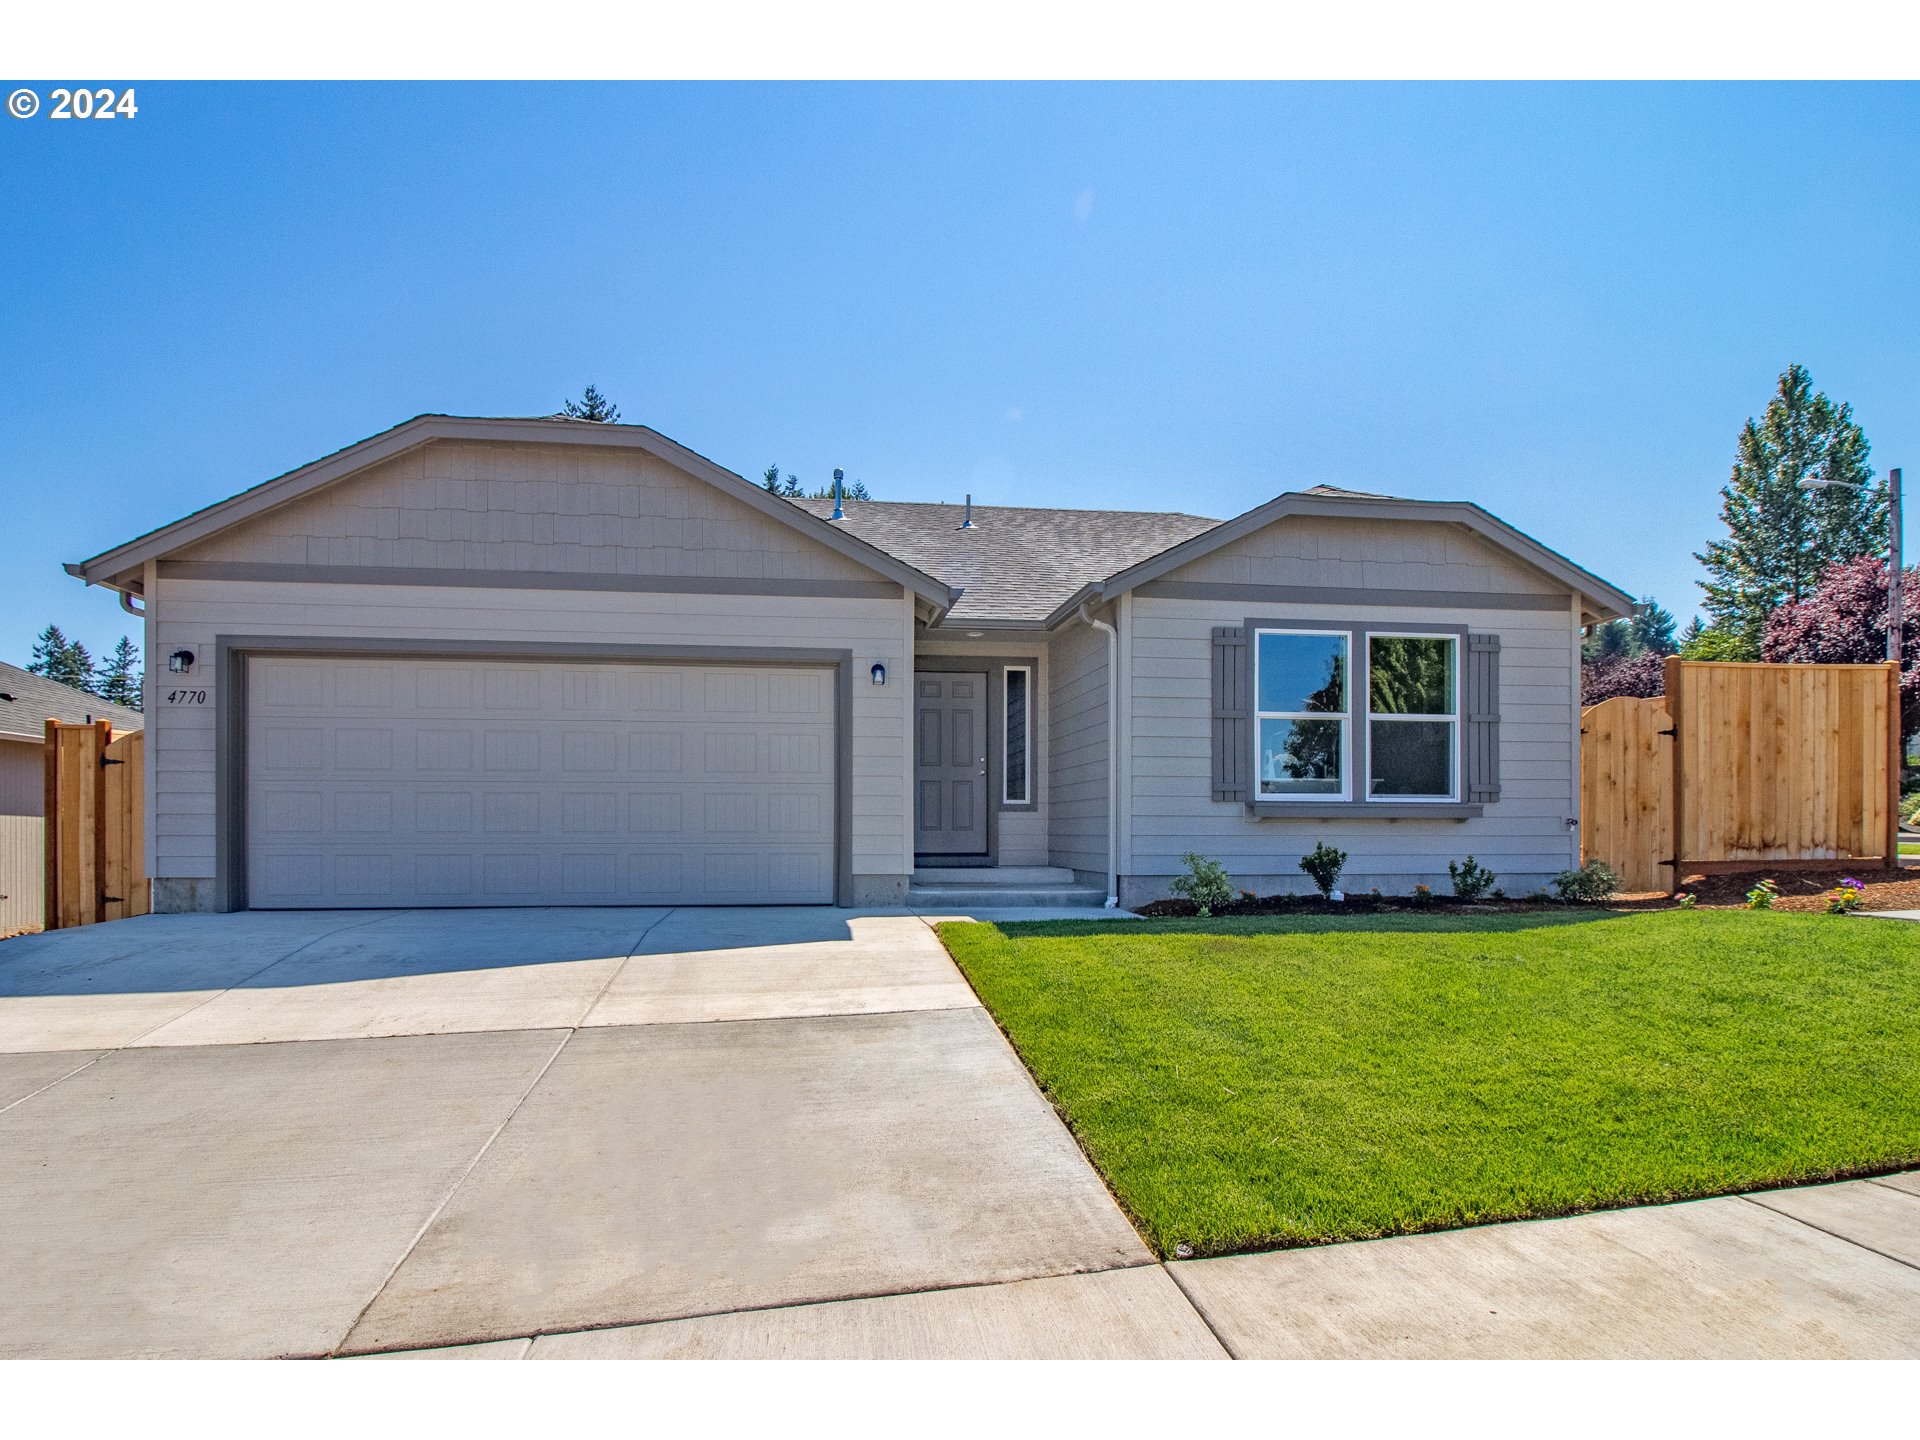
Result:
[1113,753]
[126,604]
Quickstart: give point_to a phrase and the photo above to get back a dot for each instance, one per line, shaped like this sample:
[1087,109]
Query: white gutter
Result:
[1113,754]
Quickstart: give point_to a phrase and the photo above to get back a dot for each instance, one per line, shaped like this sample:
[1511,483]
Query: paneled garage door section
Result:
[441,782]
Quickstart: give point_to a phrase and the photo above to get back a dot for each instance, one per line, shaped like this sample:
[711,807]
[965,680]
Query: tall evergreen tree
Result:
[62,660]
[1780,538]
[787,489]
[121,675]
[592,406]
[1652,627]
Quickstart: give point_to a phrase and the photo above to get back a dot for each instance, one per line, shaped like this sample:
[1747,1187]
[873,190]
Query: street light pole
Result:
[1896,598]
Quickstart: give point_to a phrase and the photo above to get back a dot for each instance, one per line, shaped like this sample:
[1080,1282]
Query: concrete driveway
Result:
[311,1134]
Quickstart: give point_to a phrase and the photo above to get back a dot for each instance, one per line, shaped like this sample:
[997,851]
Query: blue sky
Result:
[1558,301]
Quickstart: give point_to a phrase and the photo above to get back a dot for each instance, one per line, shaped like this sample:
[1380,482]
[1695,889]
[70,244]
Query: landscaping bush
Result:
[1589,885]
[1472,880]
[1762,896]
[1206,884]
[1323,864]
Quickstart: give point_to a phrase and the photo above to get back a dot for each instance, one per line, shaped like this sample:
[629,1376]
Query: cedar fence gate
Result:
[96,823]
[1741,766]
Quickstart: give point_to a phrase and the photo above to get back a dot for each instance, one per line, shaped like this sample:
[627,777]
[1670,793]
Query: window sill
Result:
[1364,810]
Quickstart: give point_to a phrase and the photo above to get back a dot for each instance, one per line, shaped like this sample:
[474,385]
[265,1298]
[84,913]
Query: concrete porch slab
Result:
[1710,1279]
[237,1200]
[885,964]
[1880,1217]
[1909,1181]
[664,1171]
[1133,1314]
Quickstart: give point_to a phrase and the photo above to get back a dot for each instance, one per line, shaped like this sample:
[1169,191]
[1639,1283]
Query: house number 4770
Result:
[186,697]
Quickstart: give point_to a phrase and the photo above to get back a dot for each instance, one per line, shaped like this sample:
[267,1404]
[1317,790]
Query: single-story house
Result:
[27,702]
[547,661]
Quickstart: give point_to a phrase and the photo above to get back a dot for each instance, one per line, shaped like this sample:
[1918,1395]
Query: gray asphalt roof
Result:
[28,701]
[1015,563]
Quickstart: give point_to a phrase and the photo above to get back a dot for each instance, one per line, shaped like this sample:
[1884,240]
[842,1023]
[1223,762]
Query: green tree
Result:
[64,661]
[121,675]
[592,406]
[850,489]
[1714,642]
[1780,538]
[1652,627]
[787,489]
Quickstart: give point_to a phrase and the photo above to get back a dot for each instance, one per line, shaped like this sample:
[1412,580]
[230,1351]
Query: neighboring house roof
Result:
[1014,566]
[28,701]
[120,567]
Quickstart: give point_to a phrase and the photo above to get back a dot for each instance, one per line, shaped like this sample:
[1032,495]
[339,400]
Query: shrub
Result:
[1422,895]
[1762,896]
[1686,900]
[1206,883]
[1472,880]
[1589,885]
[1323,863]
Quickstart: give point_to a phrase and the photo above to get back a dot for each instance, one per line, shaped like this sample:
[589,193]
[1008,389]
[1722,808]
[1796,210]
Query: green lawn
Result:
[1246,1083]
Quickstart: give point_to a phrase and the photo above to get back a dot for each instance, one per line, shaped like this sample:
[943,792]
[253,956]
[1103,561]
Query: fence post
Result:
[50,829]
[1674,686]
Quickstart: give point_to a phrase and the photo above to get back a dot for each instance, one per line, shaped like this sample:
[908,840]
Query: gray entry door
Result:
[950,764]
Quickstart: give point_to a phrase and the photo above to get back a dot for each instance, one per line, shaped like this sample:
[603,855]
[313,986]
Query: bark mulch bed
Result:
[1799,890]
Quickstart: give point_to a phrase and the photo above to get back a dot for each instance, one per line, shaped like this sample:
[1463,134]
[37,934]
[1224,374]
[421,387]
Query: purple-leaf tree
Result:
[1608,676]
[1844,621]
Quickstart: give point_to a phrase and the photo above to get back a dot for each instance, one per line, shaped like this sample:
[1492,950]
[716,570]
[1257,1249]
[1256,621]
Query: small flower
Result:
[1849,883]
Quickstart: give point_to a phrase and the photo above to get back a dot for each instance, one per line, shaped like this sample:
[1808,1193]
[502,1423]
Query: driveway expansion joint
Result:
[1757,1198]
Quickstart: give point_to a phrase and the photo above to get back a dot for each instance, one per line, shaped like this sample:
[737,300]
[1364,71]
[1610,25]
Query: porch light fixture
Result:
[879,673]
[180,661]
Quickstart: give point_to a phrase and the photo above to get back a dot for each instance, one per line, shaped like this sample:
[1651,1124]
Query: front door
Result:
[950,763]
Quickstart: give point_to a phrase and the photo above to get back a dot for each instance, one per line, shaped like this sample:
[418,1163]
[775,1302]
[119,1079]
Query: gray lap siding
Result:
[1524,835]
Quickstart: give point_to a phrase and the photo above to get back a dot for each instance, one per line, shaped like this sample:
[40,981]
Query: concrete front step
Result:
[993,876]
[980,897]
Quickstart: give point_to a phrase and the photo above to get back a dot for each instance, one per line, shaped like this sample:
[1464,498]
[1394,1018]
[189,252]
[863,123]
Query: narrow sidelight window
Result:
[1302,713]
[1413,717]
[1019,745]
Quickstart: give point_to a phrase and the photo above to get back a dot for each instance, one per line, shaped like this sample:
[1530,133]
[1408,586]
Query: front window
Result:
[1301,696]
[1019,745]
[1413,717]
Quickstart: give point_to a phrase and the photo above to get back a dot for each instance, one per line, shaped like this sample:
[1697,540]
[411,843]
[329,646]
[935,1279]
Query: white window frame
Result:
[1026,738]
[1345,717]
[1455,764]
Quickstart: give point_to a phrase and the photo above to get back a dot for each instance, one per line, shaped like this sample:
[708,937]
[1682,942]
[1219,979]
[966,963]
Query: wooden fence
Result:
[1740,766]
[95,816]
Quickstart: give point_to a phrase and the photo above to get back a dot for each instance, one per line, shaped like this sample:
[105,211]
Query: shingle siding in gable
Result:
[1344,553]
[465,505]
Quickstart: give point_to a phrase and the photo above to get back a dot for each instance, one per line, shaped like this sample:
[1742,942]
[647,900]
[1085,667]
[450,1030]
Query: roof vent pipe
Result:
[838,477]
[966,522]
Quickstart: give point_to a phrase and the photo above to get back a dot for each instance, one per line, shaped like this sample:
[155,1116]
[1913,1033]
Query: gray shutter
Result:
[1483,718]
[1232,714]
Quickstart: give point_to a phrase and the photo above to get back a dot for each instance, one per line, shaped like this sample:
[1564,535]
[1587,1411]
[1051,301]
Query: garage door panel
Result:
[467,783]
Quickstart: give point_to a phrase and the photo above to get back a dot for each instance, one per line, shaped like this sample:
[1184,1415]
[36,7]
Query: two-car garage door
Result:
[398,782]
